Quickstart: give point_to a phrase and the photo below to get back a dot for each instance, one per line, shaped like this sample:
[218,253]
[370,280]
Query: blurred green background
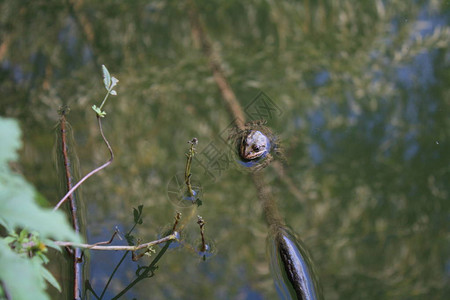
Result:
[363,89]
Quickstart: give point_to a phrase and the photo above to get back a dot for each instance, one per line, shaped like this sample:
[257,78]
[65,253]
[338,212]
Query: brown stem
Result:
[177,219]
[201,223]
[107,242]
[70,192]
[187,170]
[77,254]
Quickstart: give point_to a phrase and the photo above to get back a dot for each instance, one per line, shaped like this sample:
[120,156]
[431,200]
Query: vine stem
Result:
[104,100]
[70,192]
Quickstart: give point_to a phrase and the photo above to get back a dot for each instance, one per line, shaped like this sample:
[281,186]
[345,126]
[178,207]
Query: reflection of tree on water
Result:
[291,267]
[363,101]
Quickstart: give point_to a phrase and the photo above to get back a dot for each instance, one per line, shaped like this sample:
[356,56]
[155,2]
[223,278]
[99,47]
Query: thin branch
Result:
[170,237]
[93,171]
[177,219]
[201,223]
[187,171]
[110,240]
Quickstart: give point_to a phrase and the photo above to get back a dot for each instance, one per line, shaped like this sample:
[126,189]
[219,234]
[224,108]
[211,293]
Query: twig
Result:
[201,223]
[177,219]
[170,237]
[187,171]
[93,171]
[107,242]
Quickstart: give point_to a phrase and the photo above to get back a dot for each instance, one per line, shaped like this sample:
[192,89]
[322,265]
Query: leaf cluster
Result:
[110,82]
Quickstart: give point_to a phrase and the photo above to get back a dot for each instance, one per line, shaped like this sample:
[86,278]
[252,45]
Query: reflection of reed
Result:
[76,253]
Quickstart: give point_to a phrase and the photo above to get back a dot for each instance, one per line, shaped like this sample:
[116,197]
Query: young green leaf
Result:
[106,78]
[99,112]
[114,82]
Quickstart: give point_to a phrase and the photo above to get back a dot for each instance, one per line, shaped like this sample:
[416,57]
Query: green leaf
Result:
[23,233]
[130,239]
[114,82]
[49,277]
[9,239]
[99,112]
[51,244]
[10,141]
[18,209]
[135,215]
[106,78]
[17,206]
[20,276]
[23,277]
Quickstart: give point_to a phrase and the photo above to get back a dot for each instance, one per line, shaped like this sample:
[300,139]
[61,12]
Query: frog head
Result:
[254,145]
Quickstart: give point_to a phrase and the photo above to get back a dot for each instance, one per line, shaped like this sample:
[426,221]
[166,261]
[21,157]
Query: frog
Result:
[254,145]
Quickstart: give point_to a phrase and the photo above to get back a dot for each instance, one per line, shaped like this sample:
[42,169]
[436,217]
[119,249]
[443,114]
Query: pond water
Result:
[356,94]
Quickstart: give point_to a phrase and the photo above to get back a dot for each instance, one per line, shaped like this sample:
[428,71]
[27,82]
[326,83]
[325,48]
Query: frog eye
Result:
[255,148]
